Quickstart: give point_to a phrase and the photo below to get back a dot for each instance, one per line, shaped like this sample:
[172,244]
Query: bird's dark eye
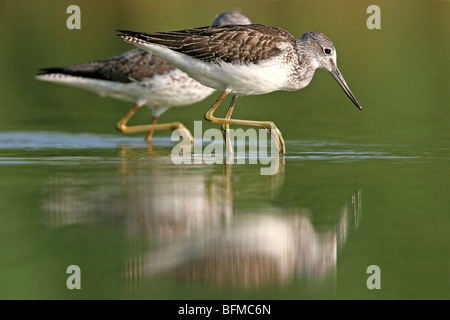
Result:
[327,51]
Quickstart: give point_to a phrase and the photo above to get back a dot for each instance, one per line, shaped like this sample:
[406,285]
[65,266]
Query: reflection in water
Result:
[272,246]
[157,203]
[186,215]
[70,199]
[166,205]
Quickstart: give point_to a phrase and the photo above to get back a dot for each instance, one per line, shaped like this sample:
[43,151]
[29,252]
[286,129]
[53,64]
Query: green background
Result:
[61,143]
[397,73]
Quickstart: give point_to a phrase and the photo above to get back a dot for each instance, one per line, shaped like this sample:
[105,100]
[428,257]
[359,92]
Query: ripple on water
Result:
[29,147]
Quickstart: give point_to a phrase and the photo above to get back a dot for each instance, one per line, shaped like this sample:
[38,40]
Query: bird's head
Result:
[322,54]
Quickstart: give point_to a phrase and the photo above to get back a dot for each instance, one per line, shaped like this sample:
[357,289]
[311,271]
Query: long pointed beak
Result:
[340,79]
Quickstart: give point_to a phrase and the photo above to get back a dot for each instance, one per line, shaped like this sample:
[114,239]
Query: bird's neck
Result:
[306,63]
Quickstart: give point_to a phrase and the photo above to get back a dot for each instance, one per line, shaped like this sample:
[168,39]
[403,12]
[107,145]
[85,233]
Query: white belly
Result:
[247,79]
[241,79]
[172,89]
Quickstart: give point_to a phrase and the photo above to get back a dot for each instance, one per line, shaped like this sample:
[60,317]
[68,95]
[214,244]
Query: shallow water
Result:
[355,189]
[139,226]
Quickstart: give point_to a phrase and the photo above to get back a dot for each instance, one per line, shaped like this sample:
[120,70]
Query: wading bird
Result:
[244,60]
[140,77]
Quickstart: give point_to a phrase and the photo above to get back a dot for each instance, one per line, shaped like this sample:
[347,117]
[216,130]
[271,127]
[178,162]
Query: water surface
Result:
[139,226]
[355,189]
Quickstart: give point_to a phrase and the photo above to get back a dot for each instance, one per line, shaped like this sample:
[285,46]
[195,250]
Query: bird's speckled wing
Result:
[232,43]
[133,65]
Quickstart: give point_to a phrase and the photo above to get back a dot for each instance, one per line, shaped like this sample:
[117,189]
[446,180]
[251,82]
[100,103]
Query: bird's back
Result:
[244,59]
[131,66]
[231,43]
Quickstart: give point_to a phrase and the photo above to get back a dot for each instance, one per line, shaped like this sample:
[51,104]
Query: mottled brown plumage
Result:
[244,60]
[249,44]
[131,66]
[141,77]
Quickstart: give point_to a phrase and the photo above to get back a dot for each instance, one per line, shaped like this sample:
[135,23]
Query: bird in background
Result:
[140,77]
[241,60]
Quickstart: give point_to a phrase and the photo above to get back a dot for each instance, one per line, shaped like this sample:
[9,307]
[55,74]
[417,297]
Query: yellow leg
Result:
[149,128]
[270,126]
[149,135]
[225,127]
[230,110]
